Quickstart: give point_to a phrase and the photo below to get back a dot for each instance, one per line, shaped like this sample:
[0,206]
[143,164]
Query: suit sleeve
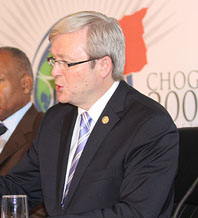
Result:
[149,172]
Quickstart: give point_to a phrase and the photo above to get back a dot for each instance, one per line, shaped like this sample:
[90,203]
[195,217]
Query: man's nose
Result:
[55,70]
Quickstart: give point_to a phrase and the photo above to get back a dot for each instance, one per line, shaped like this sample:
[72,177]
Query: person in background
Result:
[17,113]
[105,150]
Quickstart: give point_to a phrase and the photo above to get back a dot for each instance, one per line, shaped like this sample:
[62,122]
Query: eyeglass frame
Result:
[50,59]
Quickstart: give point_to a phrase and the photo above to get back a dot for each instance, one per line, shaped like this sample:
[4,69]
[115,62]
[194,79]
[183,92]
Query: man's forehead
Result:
[66,47]
[5,54]
[7,66]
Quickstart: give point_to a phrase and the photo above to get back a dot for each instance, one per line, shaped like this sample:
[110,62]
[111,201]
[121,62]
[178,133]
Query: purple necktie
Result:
[3,129]
[83,136]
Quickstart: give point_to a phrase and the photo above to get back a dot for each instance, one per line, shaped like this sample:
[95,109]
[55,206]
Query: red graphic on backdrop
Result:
[135,47]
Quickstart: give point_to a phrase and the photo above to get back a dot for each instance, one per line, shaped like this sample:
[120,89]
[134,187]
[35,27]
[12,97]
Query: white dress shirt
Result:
[11,123]
[94,112]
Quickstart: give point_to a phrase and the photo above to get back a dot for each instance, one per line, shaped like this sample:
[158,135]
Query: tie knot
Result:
[3,128]
[85,120]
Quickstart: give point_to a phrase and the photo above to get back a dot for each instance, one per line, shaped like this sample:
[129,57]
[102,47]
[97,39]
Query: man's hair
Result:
[104,37]
[23,65]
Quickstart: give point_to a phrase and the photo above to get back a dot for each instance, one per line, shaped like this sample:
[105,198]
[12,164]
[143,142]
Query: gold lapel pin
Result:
[105,119]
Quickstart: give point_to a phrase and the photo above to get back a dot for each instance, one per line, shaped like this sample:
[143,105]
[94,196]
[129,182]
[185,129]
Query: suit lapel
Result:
[66,136]
[98,134]
[95,140]
[14,143]
[18,138]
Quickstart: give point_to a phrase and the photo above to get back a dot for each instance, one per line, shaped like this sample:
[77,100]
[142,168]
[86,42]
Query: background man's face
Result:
[11,92]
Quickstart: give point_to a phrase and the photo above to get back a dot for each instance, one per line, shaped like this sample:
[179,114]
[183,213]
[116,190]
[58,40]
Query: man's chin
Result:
[61,99]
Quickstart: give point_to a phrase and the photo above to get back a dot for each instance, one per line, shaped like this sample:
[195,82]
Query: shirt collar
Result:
[97,108]
[12,121]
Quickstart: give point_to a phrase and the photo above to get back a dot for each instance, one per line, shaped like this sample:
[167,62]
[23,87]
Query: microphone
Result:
[3,129]
[183,200]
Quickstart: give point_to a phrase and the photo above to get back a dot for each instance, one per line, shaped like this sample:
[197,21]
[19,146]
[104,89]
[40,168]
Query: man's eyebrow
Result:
[58,55]
[61,56]
[64,57]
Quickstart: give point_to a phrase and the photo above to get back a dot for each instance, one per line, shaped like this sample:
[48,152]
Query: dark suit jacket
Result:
[126,169]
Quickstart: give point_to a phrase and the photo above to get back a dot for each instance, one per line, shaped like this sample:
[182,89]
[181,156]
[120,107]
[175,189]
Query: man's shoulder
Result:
[59,111]
[60,107]
[57,114]
[137,101]
[34,113]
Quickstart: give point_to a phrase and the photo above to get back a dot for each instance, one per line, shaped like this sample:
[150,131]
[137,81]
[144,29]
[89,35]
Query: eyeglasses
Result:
[51,61]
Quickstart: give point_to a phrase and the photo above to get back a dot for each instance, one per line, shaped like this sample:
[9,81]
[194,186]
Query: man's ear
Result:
[26,83]
[106,66]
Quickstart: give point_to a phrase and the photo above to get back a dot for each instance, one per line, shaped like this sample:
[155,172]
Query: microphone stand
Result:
[188,193]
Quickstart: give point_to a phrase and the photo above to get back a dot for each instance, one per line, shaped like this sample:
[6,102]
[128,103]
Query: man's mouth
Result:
[58,87]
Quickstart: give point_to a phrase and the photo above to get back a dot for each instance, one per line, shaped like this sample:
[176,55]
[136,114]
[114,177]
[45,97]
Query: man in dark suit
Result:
[17,112]
[105,150]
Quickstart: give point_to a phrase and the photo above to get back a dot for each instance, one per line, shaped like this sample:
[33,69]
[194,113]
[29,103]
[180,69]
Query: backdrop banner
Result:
[161,46]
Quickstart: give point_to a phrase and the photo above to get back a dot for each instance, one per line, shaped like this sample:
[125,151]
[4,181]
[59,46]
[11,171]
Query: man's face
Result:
[11,92]
[78,84]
